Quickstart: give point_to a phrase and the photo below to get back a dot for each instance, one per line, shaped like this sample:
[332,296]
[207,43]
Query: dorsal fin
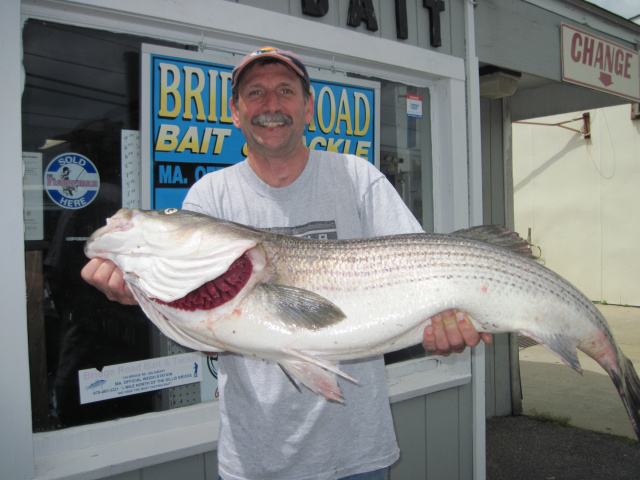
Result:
[496,235]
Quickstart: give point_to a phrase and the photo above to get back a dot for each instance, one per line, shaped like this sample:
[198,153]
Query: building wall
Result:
[15,441]
[579,197]
[430,453]
[499,396]
[451,21]
[524,36]
[445,416]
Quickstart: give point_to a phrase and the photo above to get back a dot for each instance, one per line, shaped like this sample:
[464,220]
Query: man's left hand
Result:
[451,332]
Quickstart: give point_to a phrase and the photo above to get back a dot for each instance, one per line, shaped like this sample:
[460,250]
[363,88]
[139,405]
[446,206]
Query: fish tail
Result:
[628,385]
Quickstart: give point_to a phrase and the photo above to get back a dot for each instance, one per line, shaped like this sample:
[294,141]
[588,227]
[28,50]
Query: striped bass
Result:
[213,285]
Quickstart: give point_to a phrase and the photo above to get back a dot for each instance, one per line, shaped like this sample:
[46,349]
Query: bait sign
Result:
[188,131]
[72,181]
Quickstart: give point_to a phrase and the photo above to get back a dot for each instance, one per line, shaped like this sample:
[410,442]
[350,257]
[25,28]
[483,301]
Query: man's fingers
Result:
[437,342]
[451,331]
[469,334]
[454,335]
[90,268]
[106,277]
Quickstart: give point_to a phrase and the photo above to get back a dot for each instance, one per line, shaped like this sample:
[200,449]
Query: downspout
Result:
[507,162]
[474,158]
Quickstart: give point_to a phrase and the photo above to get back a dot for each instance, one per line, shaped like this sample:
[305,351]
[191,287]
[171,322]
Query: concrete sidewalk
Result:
[589,401]
[598,441]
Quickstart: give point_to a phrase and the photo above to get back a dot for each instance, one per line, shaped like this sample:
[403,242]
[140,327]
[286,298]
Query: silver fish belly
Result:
[214,285]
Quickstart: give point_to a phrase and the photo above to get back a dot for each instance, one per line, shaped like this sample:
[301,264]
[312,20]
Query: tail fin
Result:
[628,385]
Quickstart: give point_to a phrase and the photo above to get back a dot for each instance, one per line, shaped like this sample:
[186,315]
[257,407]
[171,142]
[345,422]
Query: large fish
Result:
[214,285]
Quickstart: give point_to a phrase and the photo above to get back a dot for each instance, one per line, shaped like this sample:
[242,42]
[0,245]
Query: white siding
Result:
[580,196]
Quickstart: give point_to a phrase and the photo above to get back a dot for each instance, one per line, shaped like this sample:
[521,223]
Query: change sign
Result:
[600,64]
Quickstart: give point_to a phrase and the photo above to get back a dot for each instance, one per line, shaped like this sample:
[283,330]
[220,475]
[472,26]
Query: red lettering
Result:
[619,58]
[627,65]
[587,57]
[576,41]
[599,55]
[608,59]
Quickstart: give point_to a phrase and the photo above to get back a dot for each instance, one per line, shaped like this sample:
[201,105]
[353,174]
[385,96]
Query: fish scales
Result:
[424,266]
[307,303]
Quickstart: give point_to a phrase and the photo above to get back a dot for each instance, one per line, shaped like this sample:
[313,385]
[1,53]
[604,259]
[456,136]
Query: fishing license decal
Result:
[414,105]
[72,181]
[139,377]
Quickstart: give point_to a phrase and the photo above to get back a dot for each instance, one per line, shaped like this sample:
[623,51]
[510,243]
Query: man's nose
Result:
[271,100]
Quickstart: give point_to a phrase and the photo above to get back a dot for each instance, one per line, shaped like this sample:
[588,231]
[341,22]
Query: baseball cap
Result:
[284,56]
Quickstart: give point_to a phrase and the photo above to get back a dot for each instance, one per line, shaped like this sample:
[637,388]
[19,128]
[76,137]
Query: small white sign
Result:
[138,377]
[32,193]
[600,64]
[414,105]
[130,163]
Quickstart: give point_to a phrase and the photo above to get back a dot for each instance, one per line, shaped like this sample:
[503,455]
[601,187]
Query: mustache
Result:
[267,118]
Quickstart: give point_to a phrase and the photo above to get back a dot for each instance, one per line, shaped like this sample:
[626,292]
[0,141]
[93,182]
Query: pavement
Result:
[572,426]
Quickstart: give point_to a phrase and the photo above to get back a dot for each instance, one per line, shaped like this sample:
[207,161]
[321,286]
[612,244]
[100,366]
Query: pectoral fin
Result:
[315,373]
[298,308]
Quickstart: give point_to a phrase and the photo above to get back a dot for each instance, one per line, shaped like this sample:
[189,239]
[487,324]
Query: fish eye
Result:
[169,211]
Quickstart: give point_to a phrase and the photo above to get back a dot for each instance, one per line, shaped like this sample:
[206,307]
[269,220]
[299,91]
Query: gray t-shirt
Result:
[268,429]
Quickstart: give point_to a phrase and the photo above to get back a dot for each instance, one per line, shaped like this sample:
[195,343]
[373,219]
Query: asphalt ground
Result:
[523,448]
[573,426]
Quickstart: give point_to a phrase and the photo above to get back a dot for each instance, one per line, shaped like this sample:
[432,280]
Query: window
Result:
[82,91]
[405,156]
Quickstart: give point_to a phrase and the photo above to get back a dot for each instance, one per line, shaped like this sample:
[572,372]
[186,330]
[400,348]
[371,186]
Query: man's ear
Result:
[309,110]
[235,114]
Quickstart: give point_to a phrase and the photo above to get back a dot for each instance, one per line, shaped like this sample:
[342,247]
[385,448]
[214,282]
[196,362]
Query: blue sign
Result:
[192,132]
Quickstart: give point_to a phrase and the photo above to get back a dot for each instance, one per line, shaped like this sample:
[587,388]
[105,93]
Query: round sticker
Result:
[72,180]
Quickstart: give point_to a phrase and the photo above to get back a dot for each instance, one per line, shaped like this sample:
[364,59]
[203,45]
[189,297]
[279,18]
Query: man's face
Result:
[271,109]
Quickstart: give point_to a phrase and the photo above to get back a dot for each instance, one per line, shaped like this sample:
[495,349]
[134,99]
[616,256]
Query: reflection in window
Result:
[82,91]
[405,150]
[405,159]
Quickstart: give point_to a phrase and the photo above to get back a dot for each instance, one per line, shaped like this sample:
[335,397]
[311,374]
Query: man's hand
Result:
[106,277]
[451,332]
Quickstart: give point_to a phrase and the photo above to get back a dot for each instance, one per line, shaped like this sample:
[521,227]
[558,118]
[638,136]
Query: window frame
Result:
[118,446]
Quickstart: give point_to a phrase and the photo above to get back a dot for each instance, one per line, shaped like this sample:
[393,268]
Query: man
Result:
[269,430]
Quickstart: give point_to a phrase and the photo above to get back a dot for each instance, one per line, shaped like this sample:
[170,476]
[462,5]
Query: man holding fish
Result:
[269,429]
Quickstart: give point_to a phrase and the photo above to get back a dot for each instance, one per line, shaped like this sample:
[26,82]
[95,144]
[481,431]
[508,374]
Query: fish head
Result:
[169,253]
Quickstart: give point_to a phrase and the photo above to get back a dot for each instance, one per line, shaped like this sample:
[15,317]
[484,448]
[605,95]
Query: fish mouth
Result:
[218,291]
[122,221]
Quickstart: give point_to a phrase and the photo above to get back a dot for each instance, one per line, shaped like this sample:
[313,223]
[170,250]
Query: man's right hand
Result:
[108,278]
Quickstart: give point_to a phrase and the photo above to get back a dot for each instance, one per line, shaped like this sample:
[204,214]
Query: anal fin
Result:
[315,373]
[563,346]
